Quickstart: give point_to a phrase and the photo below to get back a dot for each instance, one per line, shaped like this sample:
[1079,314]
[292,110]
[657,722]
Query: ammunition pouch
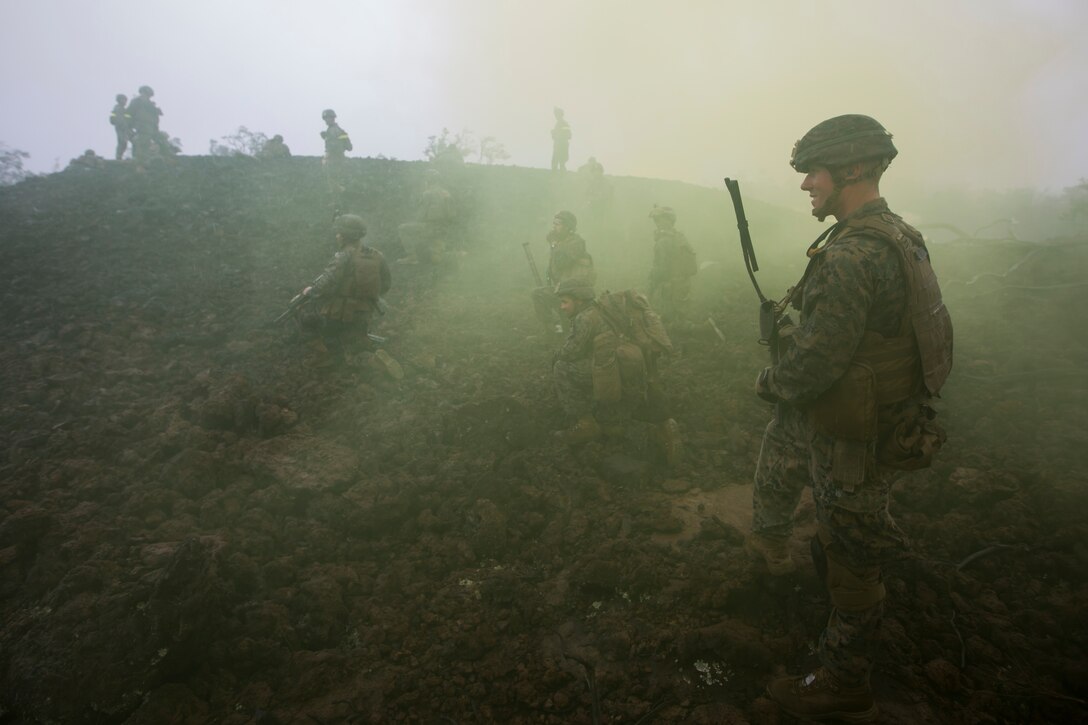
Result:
[619,369]
[910,439]
[848,409]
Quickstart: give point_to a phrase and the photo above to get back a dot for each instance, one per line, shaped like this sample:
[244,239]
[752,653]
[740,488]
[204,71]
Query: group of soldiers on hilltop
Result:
[137,122]
[851,382]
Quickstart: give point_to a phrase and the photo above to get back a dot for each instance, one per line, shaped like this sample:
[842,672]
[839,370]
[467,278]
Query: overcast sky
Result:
[984,93]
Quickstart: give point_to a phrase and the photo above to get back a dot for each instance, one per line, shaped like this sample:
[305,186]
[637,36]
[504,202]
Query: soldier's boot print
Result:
[585,430]
[773,550]
[820,696]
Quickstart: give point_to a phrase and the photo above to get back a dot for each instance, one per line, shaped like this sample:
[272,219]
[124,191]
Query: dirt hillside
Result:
[197,527]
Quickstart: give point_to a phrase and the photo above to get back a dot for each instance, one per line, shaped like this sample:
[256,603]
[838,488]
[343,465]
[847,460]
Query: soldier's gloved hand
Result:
[761,386]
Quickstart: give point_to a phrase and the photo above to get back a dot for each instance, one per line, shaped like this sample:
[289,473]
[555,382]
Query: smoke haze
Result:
[978,94]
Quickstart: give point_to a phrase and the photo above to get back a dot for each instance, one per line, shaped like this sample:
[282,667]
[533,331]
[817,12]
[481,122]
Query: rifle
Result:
[300,299]
[770,311]
[292,307]
[532,265]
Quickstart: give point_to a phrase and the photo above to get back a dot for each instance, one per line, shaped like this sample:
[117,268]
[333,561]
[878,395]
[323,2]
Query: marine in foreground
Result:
[851,386]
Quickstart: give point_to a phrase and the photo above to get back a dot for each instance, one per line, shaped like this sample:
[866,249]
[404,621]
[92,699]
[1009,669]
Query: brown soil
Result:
[197,527]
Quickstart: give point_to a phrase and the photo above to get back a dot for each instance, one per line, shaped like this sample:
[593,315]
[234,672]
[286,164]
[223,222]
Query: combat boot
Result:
[672,443]
[585,430]
[774,550]
[820,696]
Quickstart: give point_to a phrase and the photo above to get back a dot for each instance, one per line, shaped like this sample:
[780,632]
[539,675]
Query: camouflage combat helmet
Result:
[663,213]
[146,91]
[350,226]
[328,113]
[577,288]
[568,219]
[842,141]
[120,98]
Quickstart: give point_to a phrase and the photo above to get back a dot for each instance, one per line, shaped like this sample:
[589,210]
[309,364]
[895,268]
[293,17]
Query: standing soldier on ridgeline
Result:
[348,292]
[851,386]
[560,142]
[122,124]
[567,259]
[148,139]
[674,267]
[337,143]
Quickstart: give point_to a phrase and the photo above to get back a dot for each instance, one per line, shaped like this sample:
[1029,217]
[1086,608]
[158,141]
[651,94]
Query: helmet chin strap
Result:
[824,210]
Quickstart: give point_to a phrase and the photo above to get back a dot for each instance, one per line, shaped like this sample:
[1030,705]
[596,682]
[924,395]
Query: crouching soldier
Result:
[348,292]
[605,371]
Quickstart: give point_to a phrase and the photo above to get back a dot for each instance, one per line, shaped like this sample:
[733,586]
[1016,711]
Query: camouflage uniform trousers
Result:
[672,300]
[574,388]
[340,338]
[856,529]
[123,137]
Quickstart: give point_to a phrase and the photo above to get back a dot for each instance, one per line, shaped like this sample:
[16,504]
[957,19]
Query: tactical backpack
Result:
[623,356]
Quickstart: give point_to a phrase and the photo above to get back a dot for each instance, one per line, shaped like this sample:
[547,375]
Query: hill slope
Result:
[196,527]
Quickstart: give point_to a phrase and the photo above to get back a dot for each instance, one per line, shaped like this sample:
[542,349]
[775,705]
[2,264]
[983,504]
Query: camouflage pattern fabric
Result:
[122,126]
[572,370]
[671,274]
[854,284]
[337,142]
[147,138]
[568,258]
[339,281]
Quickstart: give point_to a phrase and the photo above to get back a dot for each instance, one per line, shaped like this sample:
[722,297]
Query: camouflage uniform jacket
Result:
[337,141]
[120,118]
[585,327]
[674,257]
[144,114]
[568,257]
[352,282]
[854,284]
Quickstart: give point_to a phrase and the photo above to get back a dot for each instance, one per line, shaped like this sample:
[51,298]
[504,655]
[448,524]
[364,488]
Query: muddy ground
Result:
[197,527]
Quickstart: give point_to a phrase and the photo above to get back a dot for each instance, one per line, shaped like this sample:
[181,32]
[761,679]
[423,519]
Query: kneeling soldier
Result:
[349,290]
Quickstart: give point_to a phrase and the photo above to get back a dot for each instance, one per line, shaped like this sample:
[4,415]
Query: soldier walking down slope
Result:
[567,259]
[673,269]
[560,141]
[337,144]
[851,386]
[122,124]
[348,292]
